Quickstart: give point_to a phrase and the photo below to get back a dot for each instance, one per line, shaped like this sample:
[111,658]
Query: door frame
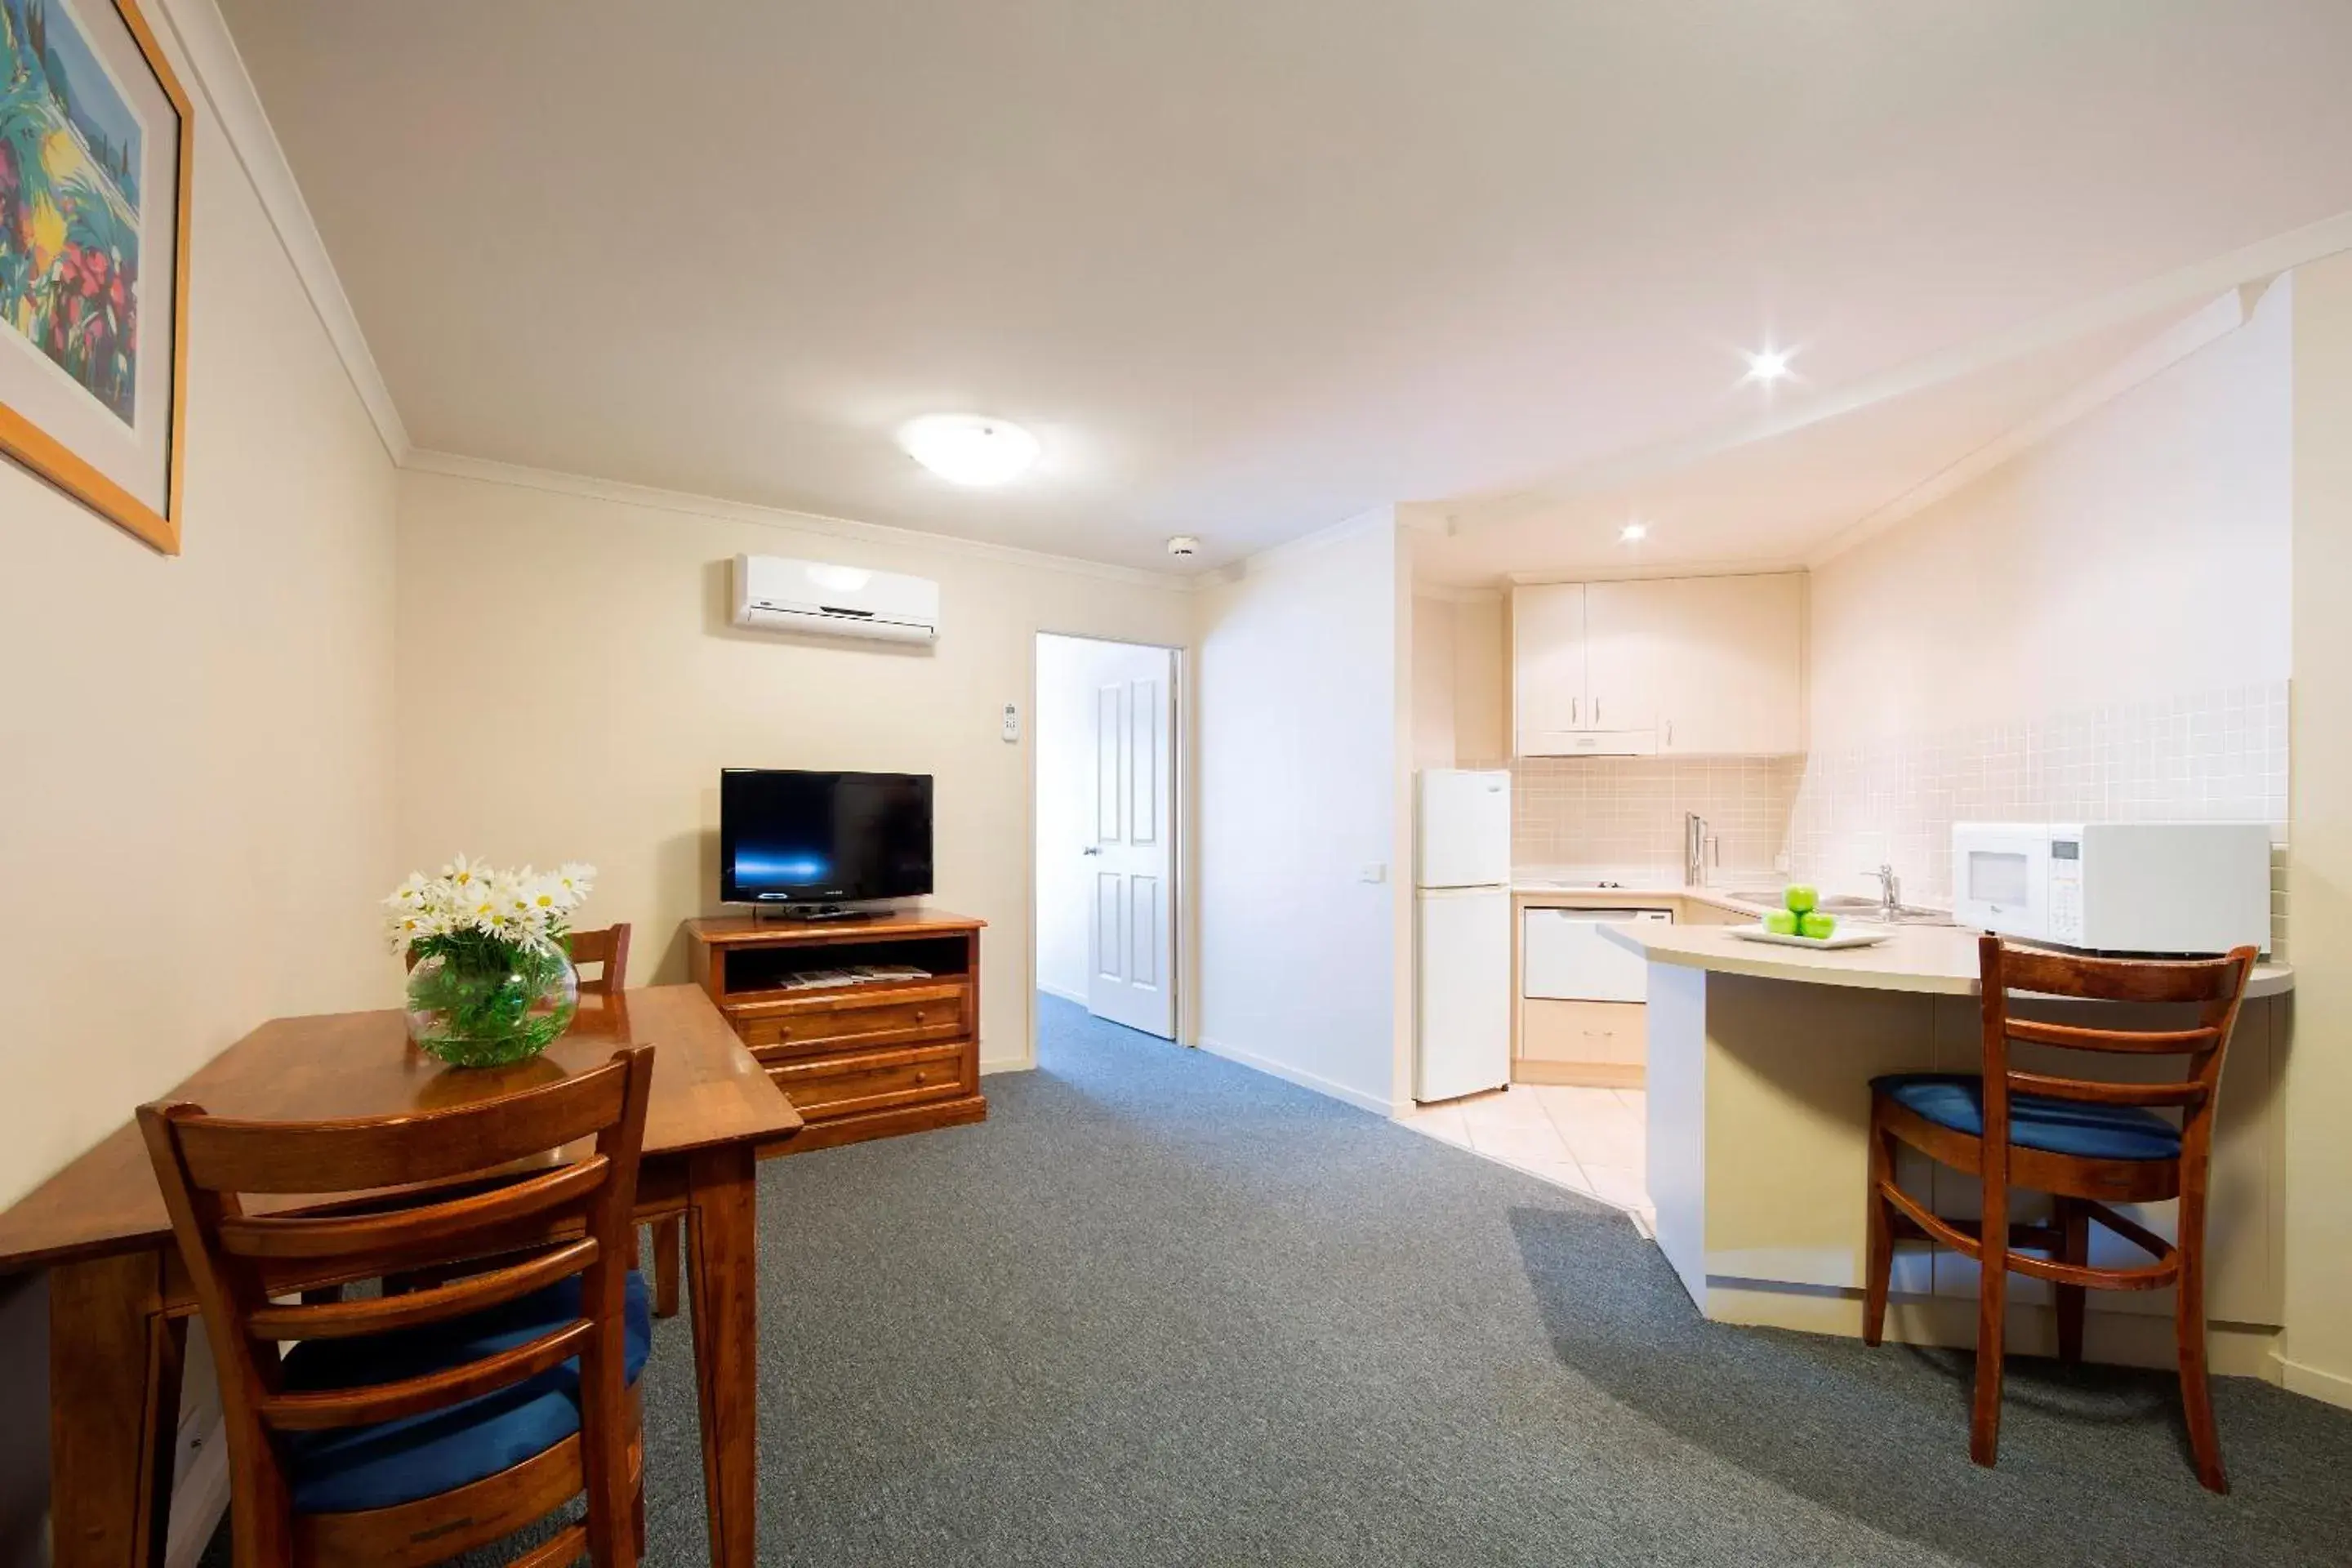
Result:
[1179,892]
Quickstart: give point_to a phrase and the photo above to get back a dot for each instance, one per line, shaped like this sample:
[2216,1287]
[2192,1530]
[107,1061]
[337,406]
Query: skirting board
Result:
[1077,997]
[1301,1076]
[1005,1064]
[2124,1339]
[2314,1384]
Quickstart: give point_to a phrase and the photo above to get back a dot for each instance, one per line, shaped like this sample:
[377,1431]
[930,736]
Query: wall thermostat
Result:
[1011,721]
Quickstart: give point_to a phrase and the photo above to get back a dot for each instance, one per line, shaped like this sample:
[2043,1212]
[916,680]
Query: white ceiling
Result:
[1249,267]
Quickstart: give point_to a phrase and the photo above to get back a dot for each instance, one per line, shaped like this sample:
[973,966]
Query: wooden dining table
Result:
[119,1297]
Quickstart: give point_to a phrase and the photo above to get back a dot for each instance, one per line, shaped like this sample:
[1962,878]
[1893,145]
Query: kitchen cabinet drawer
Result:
[842,1085]
[906,1016]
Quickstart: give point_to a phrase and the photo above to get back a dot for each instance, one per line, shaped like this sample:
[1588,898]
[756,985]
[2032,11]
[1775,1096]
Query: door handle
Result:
[1091,849]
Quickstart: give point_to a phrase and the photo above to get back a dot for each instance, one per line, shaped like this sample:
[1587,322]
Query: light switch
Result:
[1374,871]
[1012,722]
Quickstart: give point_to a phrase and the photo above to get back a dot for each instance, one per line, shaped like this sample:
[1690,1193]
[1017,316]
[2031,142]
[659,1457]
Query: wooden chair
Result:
[608,948]
[406,1429]
[2085,1142]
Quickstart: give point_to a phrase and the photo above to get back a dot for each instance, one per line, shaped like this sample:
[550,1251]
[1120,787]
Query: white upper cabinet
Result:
[1548,666]
[1696,666]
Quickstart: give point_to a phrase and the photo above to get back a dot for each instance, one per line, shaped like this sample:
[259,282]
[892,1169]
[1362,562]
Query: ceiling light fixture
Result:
[1768,365]
[1633,533]
[970,448]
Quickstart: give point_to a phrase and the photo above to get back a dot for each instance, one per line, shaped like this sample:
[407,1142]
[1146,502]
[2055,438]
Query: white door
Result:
[1547,667]
[1464,828]
[1463,941]
[1130,932]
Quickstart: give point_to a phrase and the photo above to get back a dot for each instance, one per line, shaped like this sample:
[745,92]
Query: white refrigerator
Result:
[1462,933]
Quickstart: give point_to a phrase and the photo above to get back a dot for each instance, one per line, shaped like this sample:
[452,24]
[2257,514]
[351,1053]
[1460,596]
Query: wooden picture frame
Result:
[76,155]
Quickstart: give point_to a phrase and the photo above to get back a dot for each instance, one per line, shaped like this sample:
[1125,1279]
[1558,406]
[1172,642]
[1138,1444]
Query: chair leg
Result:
[2189,1331]
[668,1242]
[638,1519]
[1878,1266]
[1992,1312]
[2075,1224]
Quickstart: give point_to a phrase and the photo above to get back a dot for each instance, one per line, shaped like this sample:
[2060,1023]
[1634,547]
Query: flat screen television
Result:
[791,837]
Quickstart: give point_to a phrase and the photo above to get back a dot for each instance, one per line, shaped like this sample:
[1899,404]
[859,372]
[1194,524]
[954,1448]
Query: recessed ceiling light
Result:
[1768,365]
[1634,533]
[970,448]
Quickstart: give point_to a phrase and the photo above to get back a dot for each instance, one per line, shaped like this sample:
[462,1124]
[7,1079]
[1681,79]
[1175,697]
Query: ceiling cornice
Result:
[219,73]
[684,503]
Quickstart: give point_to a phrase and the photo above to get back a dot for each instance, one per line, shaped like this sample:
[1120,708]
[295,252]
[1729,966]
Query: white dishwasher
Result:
[1563,956]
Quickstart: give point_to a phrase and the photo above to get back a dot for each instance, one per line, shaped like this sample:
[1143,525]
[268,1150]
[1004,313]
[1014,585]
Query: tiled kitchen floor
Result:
[1590,1140]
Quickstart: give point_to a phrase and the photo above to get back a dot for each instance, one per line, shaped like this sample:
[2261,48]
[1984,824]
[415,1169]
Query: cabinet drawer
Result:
[835,1023]
[839,1086]
[1598,1032]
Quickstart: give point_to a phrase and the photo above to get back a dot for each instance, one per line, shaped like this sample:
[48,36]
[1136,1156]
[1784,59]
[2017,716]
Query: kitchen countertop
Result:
[1938,959]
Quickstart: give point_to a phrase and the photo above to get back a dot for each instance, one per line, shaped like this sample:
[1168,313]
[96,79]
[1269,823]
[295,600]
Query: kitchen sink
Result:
[1862,907]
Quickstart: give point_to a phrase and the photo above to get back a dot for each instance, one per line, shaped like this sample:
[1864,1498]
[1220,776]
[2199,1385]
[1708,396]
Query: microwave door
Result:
[2002,883]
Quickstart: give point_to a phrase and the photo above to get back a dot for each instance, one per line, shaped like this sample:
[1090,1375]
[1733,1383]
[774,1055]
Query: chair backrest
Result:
[610,948]
[454,1196]
[2207,991]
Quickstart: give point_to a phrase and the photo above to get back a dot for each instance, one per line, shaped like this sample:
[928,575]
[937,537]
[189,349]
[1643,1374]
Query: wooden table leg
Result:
[115,1360]
[723,1261]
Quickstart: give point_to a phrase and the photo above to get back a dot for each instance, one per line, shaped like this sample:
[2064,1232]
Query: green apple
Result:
[1821,928]
[1782,923]
[1802,900]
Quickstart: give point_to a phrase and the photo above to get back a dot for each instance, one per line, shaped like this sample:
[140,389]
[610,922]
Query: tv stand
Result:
[787,914]
[872,1057]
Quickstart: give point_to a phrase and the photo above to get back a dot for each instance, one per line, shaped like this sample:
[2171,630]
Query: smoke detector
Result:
[1183,545]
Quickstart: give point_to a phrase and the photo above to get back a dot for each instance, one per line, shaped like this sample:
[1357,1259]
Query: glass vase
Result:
[491,1004]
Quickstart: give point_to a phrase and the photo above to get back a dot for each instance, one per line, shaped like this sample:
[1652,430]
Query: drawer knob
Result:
[922,1077]
[918,1015]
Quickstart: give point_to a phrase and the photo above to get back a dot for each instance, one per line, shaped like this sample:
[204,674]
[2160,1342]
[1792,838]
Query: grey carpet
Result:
[1161,1309]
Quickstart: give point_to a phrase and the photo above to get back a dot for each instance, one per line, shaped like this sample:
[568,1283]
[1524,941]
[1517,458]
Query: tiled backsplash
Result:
[2211,756]
[1628,811]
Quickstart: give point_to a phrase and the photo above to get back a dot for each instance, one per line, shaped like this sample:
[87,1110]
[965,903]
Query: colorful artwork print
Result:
[71,149]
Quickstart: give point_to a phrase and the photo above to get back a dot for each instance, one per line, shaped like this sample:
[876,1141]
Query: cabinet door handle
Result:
[1575,709]
[1596,712]
[1670,732]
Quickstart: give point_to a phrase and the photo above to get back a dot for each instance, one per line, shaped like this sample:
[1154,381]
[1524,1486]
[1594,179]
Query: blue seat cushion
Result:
[2035,1121]
[387,1462]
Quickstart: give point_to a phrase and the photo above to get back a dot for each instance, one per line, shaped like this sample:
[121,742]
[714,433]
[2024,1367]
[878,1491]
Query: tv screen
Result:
[806,838]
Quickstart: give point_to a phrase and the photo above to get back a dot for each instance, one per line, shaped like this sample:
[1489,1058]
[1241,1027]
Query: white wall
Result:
[2318,1094]
[1304,727]
[602,738]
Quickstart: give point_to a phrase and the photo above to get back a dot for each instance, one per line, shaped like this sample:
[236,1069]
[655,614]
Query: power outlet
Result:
[1374,871]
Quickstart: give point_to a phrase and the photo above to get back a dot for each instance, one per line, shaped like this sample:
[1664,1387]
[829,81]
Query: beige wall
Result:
[2096,628]
[570,687]
[2318,1350]
[2139,553]
[195,800]
[1458,684]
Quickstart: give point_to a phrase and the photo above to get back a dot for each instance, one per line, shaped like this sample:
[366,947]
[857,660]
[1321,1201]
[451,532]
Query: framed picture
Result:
[94,196]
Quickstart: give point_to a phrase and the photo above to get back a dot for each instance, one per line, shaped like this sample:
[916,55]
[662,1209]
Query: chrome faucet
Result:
[1890,893]
[1694,841]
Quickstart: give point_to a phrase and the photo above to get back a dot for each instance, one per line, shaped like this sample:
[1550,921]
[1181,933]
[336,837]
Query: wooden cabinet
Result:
[1696,666]
[865,1061]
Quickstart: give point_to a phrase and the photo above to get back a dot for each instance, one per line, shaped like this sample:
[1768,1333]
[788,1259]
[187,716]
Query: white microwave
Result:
[2117,887]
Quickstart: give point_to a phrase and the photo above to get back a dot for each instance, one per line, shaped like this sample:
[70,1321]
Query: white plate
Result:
[1846,936]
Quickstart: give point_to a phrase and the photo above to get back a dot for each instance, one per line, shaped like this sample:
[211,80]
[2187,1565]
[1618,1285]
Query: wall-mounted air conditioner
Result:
[772,593]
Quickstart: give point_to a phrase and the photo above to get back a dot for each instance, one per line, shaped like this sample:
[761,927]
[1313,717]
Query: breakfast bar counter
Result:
[1760,1058]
